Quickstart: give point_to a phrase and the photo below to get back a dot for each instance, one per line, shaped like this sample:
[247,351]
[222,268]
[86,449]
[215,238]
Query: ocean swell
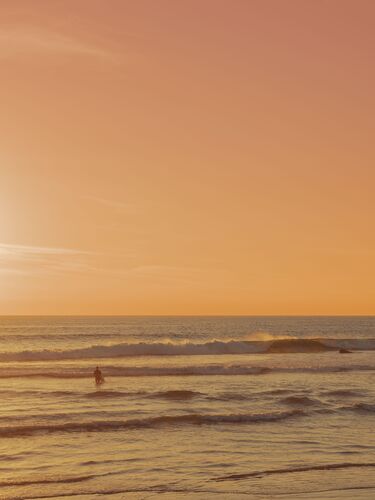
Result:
[233,347]
[172,394]
[299,401]
[142,423]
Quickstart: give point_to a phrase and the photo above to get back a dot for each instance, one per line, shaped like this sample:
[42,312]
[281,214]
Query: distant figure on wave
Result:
[99,379]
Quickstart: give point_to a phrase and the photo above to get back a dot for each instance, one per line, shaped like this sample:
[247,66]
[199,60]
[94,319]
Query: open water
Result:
[192,407]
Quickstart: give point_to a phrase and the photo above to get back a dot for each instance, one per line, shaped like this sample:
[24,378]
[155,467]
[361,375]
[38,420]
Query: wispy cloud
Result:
[117,205]
[7,271]
[38,261]
[18,40]
[27,259]
[11,250]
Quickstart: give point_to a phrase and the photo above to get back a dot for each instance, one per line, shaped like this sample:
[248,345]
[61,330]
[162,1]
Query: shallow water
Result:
[190,425]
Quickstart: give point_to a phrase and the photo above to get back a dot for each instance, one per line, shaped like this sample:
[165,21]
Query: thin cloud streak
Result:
[4,271]
[15,250]
[20,40]
[114,204]
[27,259]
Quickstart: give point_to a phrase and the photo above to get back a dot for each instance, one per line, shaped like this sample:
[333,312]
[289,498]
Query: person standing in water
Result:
[99,379]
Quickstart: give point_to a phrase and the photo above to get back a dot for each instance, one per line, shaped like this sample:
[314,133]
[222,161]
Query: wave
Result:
[299,401]
[175,395]
[343,393]
[111,394]
[275,392]
[299,346]
[290,470]
[150,422]
[192,349]
[104,394]
[54,480]
[363,407]
[137,349]
[290,398]
[30,482]
[172,394]
[229,396]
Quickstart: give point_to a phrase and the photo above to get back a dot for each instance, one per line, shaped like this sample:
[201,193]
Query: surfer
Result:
[99,379]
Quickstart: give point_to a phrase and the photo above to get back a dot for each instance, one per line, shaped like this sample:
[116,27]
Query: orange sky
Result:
[187,157]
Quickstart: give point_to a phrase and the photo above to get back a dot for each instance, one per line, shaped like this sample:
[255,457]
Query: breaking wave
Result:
[192,349]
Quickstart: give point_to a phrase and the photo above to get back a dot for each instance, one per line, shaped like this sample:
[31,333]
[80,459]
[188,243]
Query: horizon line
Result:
[186,315]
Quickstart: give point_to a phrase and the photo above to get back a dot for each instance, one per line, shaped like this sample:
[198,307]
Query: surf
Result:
[215,347]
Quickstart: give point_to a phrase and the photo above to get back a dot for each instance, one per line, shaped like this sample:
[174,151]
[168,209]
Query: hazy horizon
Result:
[195,315]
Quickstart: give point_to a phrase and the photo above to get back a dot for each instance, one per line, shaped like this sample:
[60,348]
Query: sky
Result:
[187,157]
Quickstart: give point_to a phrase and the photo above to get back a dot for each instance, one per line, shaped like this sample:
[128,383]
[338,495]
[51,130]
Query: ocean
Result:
[191,407]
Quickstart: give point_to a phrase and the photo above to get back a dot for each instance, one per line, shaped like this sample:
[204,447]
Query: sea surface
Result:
[192,407]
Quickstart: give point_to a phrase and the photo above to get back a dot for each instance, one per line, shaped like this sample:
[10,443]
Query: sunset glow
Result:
[198,157]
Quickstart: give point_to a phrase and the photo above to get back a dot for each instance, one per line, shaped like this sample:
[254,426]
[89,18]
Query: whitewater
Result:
[192,407]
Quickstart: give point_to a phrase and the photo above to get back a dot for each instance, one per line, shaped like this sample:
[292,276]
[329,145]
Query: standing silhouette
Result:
[99,379]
